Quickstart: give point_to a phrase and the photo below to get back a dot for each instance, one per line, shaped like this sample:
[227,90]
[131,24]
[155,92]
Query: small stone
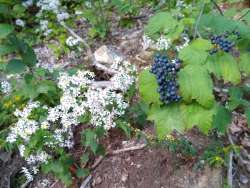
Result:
[246,142]
[243,179]
[138,166]
[97,181]
[104,55]
[124,177]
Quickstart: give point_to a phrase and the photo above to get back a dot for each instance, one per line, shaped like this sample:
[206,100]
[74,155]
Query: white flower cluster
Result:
[5,87]
[78,98]
[44,27]
[162,43]
[53,6]
[48,5]
[24,127]
[185,43]
[27,3]
[105,106]
[20,23]
[71,41]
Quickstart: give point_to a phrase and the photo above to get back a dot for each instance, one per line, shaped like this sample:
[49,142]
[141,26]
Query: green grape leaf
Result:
[15,66]
[218,24]
[5,30]
[160,22]
[196,83]
[236,98]
[229,69]
[166,119]
[224,66]
[196,52]
[196,115]
[244,63]
[247,113]
[148,88]
[222,119]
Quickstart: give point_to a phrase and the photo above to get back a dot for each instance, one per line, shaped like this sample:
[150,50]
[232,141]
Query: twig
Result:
[54,184]
[230,170]
[97,162]
[85,183]
[138,147]
[218,7]
[242,16]
[196,32]
[25,184]
[89,51]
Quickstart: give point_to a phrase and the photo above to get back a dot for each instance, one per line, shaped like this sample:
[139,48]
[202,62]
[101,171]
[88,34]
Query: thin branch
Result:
[196,32]
[242,16]
[230,170]
[138,147]
[89,51]
[85,183]
[217,7]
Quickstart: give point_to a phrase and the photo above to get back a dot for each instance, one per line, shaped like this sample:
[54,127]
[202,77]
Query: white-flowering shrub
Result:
[79,97]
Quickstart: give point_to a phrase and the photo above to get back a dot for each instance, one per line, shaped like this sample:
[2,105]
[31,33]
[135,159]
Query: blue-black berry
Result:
[165,72]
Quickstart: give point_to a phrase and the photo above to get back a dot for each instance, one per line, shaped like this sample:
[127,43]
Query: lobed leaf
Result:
[196,84]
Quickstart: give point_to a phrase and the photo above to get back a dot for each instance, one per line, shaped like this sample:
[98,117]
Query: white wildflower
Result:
[71,41]
[27,3]
[27,174]
[62,16]
[21,150]
[20,23]
[147,42]
[48,5]
[163,43]
[5,87]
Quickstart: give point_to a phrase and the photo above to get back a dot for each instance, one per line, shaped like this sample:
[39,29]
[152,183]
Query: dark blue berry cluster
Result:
[223,42]
[165,72]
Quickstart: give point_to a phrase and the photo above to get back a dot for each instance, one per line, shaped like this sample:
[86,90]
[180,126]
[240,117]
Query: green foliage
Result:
[194,114]
[167,119]
[178,145]
[161,22]
[148,87]
[196,84]
[219,24]
[222,119]
[196,52]
[60,168]
[244,63]
[214,155]
[5,30]
[90,138]
[15,66]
